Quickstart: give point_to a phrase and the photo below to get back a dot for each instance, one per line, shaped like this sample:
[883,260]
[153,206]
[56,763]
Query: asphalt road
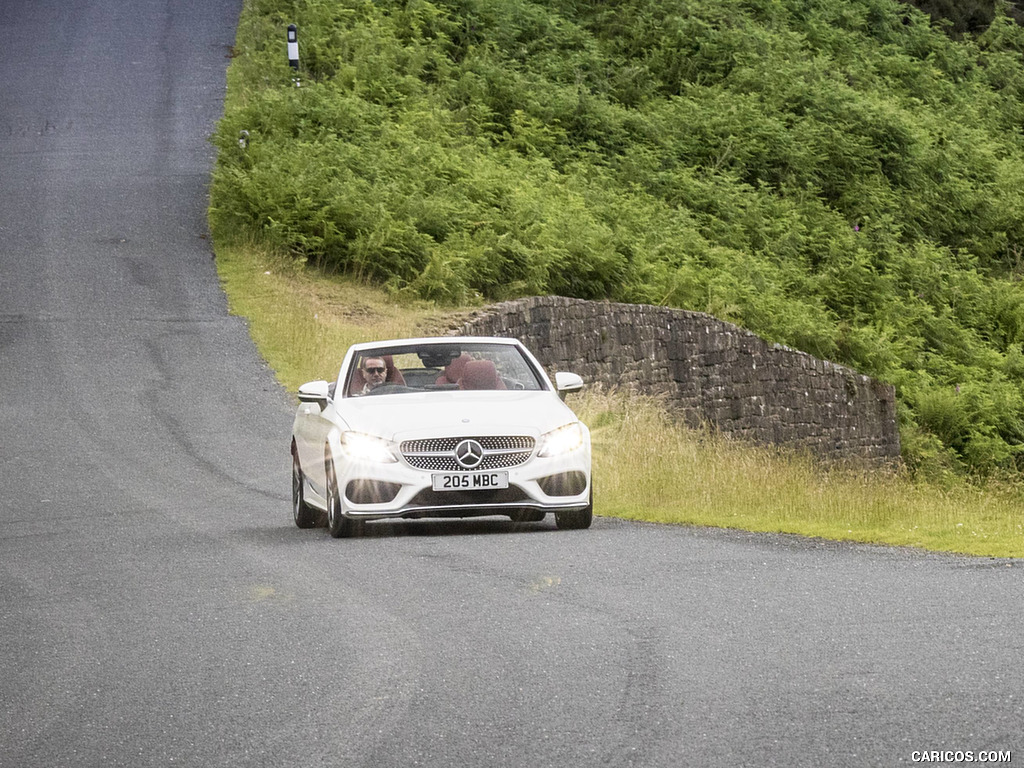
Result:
[158,608]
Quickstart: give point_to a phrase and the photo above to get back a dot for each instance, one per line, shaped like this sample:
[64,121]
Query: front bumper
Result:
[373,491]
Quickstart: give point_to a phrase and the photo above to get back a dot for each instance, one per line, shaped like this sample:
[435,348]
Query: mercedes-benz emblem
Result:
[469,454]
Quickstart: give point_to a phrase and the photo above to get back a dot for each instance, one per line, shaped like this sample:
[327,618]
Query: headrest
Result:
[480,374]
[453,371]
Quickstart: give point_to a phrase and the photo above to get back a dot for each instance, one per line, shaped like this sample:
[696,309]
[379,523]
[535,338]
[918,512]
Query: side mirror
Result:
[566,383]
[314,392]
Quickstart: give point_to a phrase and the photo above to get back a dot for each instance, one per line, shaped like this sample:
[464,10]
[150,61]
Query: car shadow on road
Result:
[385,529]
[451,527]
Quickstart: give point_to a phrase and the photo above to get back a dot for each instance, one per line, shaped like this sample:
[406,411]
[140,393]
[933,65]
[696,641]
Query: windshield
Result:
[435,367]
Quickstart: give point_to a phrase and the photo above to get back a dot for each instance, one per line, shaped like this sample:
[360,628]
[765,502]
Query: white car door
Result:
[310,429]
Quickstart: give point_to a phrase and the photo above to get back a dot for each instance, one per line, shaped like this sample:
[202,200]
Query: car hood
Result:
[446,414]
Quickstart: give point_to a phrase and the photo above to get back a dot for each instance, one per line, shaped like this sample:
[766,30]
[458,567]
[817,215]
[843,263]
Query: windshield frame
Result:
[447,349]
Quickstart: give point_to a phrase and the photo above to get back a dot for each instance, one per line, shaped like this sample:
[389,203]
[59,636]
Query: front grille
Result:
[438,454]
[449,464]
[490,443]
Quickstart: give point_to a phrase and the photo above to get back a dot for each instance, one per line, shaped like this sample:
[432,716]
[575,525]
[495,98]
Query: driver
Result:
[374,372]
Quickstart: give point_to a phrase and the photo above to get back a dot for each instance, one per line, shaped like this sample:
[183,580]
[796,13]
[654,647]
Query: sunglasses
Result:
[375,370]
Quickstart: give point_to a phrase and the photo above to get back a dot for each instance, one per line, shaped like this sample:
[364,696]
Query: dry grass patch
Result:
[648,467]
[303,321]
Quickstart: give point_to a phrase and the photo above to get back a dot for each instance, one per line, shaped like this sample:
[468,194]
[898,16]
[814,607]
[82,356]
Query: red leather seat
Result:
[480,374]
[394,375]
[453,371]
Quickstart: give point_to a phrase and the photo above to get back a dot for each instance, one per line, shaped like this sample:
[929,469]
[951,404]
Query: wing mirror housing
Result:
[566,383]
[315,392]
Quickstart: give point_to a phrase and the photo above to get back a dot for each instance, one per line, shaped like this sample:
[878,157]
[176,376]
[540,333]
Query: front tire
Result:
[305,516]
[339,526]
[577,519]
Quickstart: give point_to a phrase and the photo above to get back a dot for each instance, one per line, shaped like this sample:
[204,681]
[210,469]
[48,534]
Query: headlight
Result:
[562,440]
[362,447]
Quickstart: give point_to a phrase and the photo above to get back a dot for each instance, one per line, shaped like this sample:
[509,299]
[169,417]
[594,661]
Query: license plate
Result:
[470,481]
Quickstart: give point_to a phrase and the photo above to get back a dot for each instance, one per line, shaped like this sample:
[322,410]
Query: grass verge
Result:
[645,466]
[303,322]
[648,468]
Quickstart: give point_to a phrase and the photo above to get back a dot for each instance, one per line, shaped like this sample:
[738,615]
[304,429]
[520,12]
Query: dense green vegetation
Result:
[836,175]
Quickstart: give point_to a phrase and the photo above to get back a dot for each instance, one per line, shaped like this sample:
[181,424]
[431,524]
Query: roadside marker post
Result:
[293,46]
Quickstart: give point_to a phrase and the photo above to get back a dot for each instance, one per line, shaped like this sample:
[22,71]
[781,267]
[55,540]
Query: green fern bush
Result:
[836,175]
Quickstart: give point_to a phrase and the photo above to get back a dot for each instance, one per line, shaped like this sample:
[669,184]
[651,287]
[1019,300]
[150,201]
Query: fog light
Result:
[563,484]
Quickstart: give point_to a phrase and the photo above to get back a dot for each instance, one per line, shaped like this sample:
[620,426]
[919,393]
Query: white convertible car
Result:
[439,427]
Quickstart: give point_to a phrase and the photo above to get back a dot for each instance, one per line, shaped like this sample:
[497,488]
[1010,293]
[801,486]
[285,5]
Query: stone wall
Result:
[713,372]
